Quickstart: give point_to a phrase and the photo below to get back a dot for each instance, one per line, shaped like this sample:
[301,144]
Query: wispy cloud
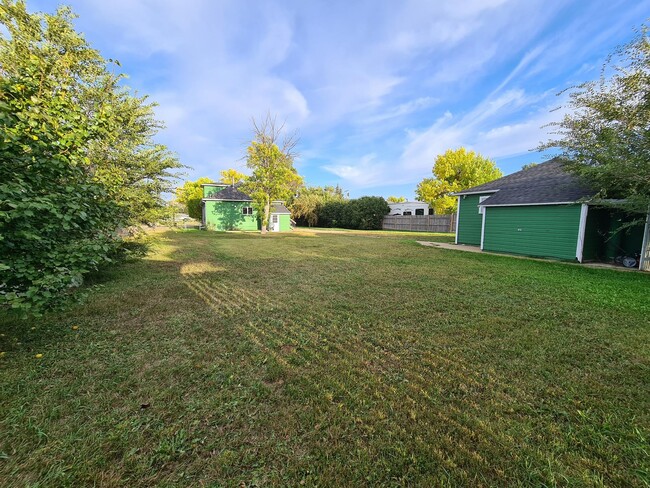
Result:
[376,87]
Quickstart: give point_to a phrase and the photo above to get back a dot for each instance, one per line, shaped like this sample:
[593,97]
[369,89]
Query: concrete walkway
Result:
[466,248]
[454,247]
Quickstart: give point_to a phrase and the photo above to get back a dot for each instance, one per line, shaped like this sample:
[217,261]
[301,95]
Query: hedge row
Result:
[362,213]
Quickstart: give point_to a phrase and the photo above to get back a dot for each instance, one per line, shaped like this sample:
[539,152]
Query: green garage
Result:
[544,211]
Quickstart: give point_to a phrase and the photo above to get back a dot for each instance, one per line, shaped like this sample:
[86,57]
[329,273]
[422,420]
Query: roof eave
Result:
[529,204]
[461,193]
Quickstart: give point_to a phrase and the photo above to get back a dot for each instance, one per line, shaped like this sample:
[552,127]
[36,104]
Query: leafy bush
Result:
[306,206]
[331,214]
[76,160]
[363,213]
[369,212]
[133,247]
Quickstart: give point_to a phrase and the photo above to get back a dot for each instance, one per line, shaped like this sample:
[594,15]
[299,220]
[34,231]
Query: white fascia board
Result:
[584,209]
[457,219]
[483,227]
[214,184]
[528,204]
[462,193]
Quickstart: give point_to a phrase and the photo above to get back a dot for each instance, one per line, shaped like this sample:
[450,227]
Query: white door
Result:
[275,223]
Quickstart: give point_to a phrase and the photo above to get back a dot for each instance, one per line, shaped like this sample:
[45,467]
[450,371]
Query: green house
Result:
[544,211]
[226,207]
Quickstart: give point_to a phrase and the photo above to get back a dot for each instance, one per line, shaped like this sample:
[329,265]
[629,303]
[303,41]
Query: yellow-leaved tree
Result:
[455,170]
[273,176]
[392,199]
[231,176]
[190,195]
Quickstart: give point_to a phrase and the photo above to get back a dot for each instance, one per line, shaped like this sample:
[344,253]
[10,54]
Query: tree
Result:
[232,176]
[332,214]
[455,170]
[528,166]
[361,213]
[134,169]
[367,213]
[395,199]
[605,136]
[310,200]
[190,195]
[76,159]
[271,162]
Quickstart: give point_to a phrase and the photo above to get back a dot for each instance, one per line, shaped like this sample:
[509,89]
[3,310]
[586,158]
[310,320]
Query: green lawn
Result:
[349,359]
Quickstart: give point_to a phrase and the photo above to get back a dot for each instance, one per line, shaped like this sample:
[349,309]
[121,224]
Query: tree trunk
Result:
[265,219]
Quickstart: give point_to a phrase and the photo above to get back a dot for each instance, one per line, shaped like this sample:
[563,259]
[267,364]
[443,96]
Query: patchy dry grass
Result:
[334,360]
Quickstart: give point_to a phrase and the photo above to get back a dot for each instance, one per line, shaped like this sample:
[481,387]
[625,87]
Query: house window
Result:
[274,219]
[419,211]
[480,200]
[408,212]
[247,210]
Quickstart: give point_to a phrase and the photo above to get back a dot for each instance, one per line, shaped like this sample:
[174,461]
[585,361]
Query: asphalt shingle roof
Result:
[544,183]
[232,193]
[279,208]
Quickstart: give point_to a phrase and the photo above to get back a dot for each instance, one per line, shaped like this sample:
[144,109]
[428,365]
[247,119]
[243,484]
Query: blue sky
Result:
[375,88]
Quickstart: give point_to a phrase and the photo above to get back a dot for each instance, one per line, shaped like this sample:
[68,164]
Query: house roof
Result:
[545,183]
[231,193]
[279,208]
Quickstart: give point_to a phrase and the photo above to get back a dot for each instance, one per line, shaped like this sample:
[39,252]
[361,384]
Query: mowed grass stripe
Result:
[333,360]
[344,353]
[344,347]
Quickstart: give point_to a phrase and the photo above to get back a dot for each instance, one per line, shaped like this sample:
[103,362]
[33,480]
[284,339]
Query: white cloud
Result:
[366,171]
[386,84]
[450,132]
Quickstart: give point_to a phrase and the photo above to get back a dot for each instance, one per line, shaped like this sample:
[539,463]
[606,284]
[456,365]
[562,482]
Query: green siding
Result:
[283,219]
[535,230]
[469,220]
[220,215]
[285,223]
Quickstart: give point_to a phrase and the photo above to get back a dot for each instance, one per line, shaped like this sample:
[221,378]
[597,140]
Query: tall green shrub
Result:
[363,213]
[370,212]
[76,159]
